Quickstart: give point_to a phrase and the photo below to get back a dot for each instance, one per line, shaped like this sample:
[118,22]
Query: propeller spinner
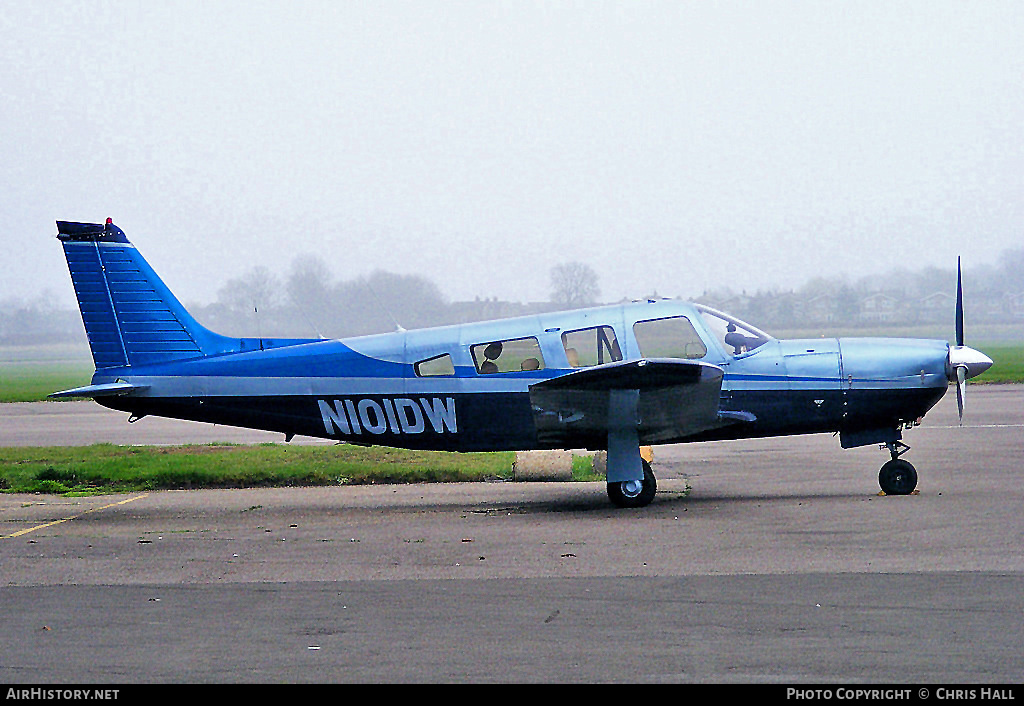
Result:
[963,362]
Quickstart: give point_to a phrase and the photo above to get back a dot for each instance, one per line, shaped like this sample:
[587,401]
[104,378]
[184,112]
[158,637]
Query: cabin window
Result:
[591,346]
[439,365]
[674,337]
[508,356]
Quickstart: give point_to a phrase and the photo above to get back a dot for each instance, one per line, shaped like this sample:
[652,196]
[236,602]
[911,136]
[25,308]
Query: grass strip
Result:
[106,468]
[1007,364]
[32,382]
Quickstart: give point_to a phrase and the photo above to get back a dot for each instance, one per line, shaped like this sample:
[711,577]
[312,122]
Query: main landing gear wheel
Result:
[634,493]
[897,477]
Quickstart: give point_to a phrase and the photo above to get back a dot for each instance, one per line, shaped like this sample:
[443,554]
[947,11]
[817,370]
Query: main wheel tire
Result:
[897,477]
[634,493]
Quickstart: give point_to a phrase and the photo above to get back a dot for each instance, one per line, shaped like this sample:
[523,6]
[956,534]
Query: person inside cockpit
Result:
[491,353]
[739,342]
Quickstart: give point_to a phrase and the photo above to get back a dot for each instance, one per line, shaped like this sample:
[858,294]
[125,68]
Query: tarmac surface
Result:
[765,561]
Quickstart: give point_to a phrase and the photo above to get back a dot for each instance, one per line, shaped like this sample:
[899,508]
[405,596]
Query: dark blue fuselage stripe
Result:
[504,421]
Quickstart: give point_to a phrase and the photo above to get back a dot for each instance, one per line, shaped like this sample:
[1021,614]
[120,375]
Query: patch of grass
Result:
[1007,363]
[22,381]
[583,469]
[106,468]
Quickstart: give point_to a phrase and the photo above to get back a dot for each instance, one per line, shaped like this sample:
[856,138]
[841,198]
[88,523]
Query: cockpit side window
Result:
[673,337]
[440,365]
[509,356]
[591,346]
[735,336]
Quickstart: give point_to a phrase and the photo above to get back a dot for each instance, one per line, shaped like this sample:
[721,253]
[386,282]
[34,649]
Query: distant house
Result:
[1013,305]
[737,304]
[493,308]
[786,308]
[878,308]
[821,309]
[939,303]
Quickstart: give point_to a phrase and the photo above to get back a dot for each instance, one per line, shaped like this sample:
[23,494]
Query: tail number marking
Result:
[401,415]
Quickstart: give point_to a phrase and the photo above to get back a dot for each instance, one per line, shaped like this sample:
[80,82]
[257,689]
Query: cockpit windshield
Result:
[736,337]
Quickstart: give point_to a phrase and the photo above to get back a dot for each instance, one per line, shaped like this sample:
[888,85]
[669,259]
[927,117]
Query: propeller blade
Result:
[963,362]
[961,391]
[959,306]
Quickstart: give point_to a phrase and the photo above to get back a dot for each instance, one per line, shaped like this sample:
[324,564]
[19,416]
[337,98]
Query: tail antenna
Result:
[310,322]
[259,331]
[380,302]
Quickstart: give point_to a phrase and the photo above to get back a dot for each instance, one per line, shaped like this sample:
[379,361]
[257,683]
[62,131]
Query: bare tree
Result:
[309,282]
[258,288]
[574,284]
[384,301]
[308,295]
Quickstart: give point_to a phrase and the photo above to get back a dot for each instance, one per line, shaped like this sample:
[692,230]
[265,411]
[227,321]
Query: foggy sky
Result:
[672,146]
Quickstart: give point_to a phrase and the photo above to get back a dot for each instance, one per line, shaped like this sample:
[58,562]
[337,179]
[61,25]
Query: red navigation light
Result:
[110,221]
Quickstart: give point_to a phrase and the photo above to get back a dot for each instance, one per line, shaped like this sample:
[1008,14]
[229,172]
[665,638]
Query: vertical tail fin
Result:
[130,316]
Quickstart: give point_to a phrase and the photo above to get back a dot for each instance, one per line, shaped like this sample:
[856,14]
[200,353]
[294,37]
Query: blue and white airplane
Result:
[611,377]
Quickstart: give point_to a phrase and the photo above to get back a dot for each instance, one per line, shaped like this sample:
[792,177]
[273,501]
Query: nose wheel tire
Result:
[897,477]
[634,493]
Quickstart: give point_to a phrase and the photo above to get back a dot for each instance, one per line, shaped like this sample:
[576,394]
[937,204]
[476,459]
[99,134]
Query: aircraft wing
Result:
[663,399]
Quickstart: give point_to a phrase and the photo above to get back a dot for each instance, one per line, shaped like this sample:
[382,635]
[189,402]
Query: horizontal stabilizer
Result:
[106,389]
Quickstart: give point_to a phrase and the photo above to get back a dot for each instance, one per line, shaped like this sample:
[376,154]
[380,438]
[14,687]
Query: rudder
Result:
[130,316]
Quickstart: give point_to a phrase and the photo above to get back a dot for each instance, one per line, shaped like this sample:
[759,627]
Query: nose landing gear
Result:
[897,477]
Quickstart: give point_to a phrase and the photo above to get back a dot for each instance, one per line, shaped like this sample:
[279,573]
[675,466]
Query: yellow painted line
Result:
[73,517]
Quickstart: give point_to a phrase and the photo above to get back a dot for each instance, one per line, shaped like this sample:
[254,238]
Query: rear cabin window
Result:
[437,366]
[591,346]
[674,337]
[508,356]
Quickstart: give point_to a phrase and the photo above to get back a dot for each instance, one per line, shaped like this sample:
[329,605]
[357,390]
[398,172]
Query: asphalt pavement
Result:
[762,561]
